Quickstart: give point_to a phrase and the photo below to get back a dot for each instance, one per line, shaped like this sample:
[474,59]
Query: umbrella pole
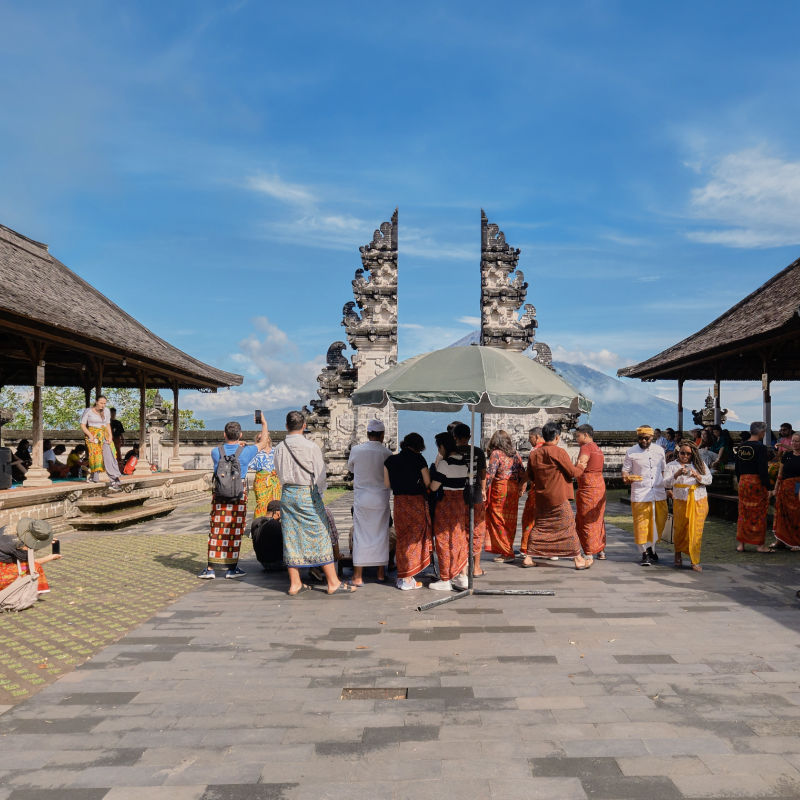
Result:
[471,556]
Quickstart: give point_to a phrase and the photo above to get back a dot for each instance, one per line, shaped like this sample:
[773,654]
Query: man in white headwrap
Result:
[643,468]
[370,503]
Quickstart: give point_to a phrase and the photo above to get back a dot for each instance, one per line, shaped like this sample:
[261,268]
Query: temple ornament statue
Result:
[705,416]
[370,323]
[503,293]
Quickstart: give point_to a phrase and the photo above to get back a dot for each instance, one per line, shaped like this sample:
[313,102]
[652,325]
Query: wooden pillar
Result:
[175,463]
[766,404]
[717,402]
[37,475]
[680,409]
[98,380]
[143,467]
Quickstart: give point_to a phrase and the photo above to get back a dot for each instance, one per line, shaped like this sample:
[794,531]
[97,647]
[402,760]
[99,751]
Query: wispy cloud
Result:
[474,322]
[603,359]
[276,187]
[755,196]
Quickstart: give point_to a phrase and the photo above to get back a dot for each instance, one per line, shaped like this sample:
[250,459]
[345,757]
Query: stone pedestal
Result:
[37,477]
[175,464]
[143,467]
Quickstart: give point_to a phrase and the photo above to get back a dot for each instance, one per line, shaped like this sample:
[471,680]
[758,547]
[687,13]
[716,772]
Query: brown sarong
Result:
[412,524]
[452,548]
[554,533]
[751,527]
[590,506]
[787,512]
[479,534]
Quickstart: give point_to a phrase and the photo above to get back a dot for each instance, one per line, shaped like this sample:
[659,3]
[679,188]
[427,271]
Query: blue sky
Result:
[189,156]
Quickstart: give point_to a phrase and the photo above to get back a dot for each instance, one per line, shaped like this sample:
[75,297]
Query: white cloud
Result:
[275,377]
[756,196]
[276,187]
[474,322]
[603,359]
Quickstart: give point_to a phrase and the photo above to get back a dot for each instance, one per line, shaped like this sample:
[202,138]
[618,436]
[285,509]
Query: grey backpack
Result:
[228,481]
[24,591]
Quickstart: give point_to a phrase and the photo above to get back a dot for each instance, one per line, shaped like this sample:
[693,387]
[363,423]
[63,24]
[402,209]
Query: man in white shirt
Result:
[643,468]
[304,524]
[370,504]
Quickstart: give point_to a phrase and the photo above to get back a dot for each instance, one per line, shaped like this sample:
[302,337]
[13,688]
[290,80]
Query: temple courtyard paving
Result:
[630,682]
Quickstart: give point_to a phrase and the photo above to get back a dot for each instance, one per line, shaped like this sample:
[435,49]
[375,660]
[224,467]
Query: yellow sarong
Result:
[645,516]
[690,517]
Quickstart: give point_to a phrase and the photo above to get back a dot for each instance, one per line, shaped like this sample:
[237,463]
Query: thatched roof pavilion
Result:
[57,330]
[757,339]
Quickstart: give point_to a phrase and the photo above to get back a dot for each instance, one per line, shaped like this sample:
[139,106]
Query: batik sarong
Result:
[267,487]
[225,536]
[452,548]
[102,454]
[554,533]
[306,538]
[412,525]
[751,527]
[479,531]
[502,508]
[9,573]
[787,512]
[649,519]
[689,517]
[528,519]
[590,506]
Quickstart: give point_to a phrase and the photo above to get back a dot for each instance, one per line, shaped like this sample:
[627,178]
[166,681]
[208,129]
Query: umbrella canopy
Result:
[486,379]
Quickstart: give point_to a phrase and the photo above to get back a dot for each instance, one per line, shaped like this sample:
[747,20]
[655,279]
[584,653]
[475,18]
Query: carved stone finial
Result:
[503,291]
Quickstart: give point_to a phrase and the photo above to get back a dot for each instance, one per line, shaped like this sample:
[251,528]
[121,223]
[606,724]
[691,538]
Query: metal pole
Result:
[448,599]
[471,557]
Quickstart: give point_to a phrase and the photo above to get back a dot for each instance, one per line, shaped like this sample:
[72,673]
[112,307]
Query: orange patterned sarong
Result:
[787,512]
[528,519]
[590,505]
[451,536]
[412,524]
[479,533]
[9,573]
[502,508]
[751,527]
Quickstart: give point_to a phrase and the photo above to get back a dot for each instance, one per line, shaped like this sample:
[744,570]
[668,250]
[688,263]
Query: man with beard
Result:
[643,468]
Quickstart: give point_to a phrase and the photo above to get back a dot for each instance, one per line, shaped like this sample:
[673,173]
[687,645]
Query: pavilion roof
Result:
[763,327]
[42,300]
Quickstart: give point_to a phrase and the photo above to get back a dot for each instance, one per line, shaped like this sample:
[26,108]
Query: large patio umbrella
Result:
[486,380]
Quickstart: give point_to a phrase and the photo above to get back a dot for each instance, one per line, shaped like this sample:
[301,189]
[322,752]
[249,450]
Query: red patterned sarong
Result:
[412,524]
[266,487]
[225,537]
[590,505]
[787,512]
[479,533]
[554,533]
[528,519]
[751,527]
[451,537]
[9,573]
[502,508]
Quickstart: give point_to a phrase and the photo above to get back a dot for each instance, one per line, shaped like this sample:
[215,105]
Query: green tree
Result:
[62,407]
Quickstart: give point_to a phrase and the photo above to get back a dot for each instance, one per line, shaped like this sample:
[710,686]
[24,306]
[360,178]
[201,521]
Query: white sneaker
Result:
[407,584]
[441,586]
[460,582]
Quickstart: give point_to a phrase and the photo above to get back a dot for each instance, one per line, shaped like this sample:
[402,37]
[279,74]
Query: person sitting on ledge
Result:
[30,534]
[56,468]
[77,461]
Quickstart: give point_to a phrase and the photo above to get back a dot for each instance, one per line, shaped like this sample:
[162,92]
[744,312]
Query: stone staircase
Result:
[111,511]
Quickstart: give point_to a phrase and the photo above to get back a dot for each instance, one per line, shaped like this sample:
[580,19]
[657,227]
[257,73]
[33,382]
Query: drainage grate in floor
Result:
[374,693]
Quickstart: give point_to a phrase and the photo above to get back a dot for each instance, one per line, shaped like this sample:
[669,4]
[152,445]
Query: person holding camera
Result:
[229,500]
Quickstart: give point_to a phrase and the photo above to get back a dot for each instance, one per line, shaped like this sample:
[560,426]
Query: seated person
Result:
[131,460]
[30,534]
[48,456]
[268,537]
[56,468]
[78,461]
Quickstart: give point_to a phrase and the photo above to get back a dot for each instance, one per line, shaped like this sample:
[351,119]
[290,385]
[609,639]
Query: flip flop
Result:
[504,559]
[478,574]
[304,588]
[342,588]
[528,566]
[585,566]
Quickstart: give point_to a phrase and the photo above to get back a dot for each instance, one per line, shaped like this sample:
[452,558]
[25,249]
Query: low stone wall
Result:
[58,503]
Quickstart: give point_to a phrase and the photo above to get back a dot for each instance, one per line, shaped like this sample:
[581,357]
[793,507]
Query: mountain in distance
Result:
[276,419]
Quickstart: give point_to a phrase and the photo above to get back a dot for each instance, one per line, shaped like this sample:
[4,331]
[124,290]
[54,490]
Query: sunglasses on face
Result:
[645,438]
[684,452]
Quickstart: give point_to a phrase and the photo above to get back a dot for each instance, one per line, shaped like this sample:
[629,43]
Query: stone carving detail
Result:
[370,323]
[503,291]
[705,416]
[542,353]
[70,508]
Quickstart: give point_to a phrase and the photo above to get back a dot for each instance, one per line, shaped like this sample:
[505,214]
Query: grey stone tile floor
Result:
[630,682]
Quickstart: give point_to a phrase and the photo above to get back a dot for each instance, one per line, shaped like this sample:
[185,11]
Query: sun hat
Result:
[34,533]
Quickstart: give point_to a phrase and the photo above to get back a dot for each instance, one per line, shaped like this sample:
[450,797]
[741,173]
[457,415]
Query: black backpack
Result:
[228,483]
